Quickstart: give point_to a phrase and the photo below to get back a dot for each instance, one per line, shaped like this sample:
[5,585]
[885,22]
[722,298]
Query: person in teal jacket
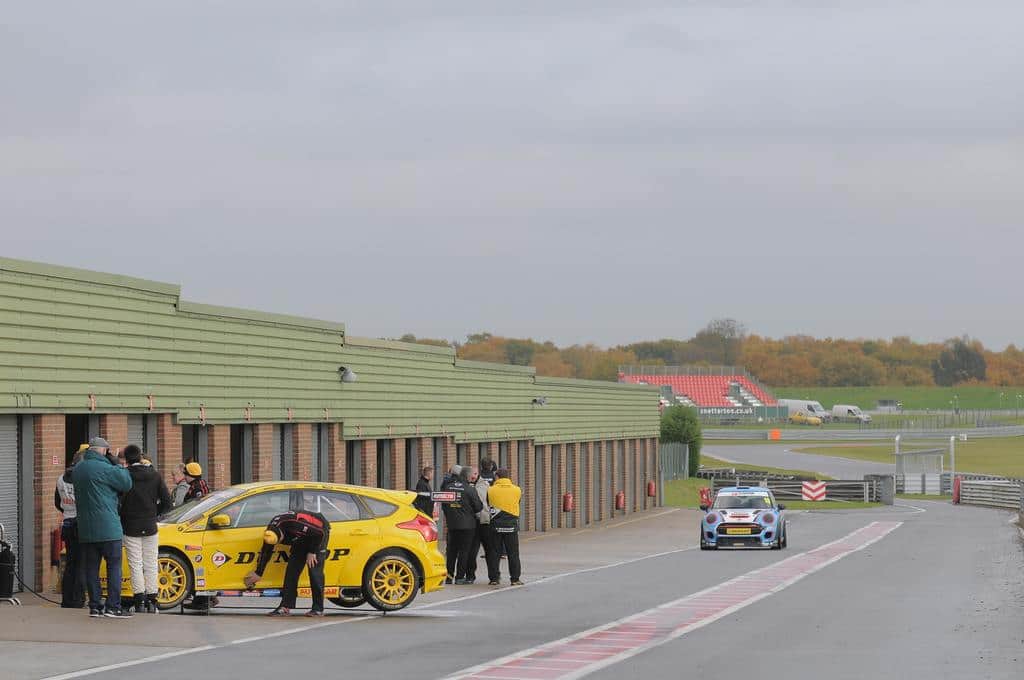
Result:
[98,484]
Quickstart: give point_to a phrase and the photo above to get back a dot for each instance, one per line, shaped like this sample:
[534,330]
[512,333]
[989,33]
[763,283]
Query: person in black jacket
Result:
[423,503]
[308,533]
[147,500]
[460,516]
[72,586]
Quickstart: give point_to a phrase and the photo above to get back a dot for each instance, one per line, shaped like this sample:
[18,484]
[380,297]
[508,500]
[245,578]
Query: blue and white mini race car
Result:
[743,516]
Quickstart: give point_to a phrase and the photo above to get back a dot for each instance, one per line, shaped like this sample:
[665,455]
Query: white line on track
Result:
[371,617]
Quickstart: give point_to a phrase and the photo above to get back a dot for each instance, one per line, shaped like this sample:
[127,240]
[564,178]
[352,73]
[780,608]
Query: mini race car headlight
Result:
[711,519]
[768,518]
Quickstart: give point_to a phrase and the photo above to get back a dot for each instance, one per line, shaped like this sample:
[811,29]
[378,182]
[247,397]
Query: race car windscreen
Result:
[187,512]
[749,501]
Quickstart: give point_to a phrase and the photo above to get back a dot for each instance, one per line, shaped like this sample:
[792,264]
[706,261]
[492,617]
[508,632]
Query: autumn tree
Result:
[723,339]
[961,360]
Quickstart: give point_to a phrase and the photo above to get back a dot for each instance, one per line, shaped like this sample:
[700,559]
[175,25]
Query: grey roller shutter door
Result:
[275,453]
[314,454]
[136,432]
[287,452]
[10,467]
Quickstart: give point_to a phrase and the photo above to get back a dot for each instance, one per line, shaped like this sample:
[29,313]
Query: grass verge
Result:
[936,398]
[712,462]
[924,497]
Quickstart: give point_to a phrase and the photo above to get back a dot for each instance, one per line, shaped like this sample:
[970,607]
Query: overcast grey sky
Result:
[596,170]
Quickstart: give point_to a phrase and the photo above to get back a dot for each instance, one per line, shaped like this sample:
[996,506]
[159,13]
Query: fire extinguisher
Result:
[568,502]
[652,488]
[55,547]
[620,500]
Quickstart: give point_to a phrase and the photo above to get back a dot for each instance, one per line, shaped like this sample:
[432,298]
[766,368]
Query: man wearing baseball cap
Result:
[308,533]
[97,483]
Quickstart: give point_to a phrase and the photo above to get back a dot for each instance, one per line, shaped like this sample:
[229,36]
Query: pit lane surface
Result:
[940,596]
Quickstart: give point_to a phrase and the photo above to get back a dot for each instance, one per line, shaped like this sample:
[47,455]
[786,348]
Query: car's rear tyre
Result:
[353,598]
[390,582]
[173,579]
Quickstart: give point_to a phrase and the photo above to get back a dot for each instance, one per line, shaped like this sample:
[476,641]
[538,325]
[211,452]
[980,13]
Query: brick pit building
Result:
[255,396]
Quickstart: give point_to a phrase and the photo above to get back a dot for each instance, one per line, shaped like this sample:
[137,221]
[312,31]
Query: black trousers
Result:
[72,585]
[459,543]
[507,541]
[296,563]
[481,539]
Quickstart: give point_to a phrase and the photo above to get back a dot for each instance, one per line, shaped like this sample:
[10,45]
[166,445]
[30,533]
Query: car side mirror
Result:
[220,522]
[704,508]
[782,506]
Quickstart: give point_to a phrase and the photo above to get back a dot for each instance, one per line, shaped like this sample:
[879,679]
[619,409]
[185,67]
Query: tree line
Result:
[792,361]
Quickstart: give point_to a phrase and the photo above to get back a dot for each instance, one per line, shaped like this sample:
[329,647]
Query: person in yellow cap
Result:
[308,533]
[197,486]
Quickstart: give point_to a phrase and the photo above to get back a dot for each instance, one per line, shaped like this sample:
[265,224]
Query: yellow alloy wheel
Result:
[393,582]
[172,580]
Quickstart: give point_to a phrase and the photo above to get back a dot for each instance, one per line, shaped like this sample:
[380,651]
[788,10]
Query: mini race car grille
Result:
[755,529]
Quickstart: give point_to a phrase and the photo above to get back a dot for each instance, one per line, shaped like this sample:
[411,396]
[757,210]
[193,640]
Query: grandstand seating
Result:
[708,390]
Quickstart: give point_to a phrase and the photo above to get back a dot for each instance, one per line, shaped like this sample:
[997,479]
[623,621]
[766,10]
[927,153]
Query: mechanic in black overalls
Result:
[308,534]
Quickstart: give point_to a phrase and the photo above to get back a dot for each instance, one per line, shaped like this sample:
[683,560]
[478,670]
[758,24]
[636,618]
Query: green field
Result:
[983,456]
[914,398]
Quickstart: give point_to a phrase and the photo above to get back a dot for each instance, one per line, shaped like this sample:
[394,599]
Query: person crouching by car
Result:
[147,500]
[308,533]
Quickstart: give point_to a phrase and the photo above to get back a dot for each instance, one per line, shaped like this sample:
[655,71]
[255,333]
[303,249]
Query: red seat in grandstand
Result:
[704,390]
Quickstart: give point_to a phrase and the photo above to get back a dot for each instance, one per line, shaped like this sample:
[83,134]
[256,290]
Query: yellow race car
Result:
[382,549]
[801,418]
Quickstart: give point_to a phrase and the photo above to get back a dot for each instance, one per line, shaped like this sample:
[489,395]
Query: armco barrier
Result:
[818,434]
[993,493]
[866,491]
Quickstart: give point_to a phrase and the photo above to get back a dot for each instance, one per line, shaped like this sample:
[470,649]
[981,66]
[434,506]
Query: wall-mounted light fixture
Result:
[540,401]
[347,374]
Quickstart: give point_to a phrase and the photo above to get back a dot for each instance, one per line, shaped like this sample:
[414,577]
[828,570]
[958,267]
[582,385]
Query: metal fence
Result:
[675,461]
[993,493]
[866,491]
[733,473]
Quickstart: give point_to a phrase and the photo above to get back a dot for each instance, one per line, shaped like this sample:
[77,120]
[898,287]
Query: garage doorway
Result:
[78,430]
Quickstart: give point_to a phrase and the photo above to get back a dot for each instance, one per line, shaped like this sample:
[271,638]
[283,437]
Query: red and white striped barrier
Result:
[813,491]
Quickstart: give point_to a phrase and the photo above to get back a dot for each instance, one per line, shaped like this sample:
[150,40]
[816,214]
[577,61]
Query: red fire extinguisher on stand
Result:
[56,545]
[568,502]
[652,488]
[620,500]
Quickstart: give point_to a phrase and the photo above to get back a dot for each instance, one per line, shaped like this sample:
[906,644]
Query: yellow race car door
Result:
[230,552]
[354,535]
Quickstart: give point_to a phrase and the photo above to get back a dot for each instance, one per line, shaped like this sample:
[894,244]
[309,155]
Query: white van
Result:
[811,408]
[849,413]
